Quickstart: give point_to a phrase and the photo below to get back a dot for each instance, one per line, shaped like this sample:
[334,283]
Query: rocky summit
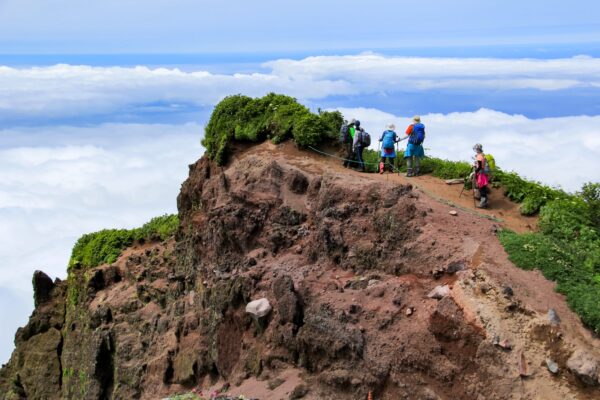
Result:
[291,277]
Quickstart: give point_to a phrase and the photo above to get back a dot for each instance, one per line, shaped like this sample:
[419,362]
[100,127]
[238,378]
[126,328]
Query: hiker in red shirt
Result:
[414,149]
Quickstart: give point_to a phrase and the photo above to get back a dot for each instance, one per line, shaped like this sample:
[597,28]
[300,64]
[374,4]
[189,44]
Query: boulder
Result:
[259,308]
[42,287]
[585,367]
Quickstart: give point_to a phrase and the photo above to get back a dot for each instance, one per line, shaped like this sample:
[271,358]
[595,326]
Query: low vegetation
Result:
[105,246]
[273,117]
[566,250]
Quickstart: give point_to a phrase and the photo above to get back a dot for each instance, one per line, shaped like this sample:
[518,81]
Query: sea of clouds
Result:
[72,161]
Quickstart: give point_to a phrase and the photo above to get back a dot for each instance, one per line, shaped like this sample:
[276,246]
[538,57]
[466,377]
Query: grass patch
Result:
[105,246]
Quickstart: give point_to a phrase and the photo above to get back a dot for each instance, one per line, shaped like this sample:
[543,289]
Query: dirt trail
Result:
[500,207]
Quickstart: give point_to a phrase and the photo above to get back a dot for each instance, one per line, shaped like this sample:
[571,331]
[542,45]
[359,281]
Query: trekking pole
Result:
[398,158]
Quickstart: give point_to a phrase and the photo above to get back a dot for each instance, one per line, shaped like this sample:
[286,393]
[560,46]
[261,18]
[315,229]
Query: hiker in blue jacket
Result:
[414,149]
[388,141]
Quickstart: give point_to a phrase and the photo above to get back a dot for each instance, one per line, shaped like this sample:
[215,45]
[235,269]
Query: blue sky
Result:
[102,104]
[269,26]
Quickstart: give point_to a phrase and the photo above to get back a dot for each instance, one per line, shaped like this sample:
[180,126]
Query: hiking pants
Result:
[483,191]
[359,157]
[349,155]
[388,162]
[413,160]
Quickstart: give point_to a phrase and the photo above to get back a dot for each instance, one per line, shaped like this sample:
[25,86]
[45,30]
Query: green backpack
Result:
[490,164]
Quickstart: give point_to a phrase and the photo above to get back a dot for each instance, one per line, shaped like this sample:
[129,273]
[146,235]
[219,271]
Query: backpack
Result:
[490,164]
[365,139]
[418,134]
[389,138]
[344,134]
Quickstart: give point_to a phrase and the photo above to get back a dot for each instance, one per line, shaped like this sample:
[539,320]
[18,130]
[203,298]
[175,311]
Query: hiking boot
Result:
[416,172]
[409,173]
[483,203]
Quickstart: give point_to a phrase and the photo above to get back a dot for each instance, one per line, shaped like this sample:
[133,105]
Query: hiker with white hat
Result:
[388,141]
[414,149]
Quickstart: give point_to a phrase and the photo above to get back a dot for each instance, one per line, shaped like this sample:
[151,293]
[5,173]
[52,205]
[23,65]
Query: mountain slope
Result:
[346,260]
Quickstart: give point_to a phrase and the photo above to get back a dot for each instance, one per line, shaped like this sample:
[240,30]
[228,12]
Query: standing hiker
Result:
[388,141]
[414,149]
[348,143]
[481,180]
[362,140]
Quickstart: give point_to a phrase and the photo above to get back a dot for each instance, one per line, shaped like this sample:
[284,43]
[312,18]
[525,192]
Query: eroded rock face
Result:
[345,268]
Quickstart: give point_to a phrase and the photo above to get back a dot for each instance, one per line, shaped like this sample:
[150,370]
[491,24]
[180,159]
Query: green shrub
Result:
[564,218]
[105,246]
[532,195]
[573,265]
[371,159]
[158,228]
[101,247]
[222,125]
[566,250]
[590,193]
[308,130]
[274,116]
[332,121]
[445,169]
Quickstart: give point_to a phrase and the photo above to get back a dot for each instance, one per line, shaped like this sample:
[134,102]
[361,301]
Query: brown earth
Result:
[345,259]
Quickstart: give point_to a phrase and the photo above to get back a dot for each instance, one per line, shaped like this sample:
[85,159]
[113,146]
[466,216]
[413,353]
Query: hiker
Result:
[348,142]
[388,141]
[414,149]
[480,181]
[362,140]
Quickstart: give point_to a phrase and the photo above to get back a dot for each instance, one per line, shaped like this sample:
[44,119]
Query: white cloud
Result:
[377,72]
[53,193]
[556,151]
[75,91]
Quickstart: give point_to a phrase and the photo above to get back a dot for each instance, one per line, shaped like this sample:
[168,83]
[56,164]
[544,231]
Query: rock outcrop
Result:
[345,263]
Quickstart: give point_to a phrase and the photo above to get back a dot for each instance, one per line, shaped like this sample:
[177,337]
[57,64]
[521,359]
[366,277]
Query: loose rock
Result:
[439,292]
[299,392]
[585,367]
[553,317]
[552,366]
[259,308]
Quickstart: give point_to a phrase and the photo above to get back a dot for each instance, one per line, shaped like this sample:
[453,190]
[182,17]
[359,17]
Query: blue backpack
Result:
[418,134]
[389,139]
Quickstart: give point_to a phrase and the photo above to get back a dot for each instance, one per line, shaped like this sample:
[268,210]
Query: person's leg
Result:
[417,165]
[409,166]
[361,163]
[484,200]
[351,157]
[381,165]
[391,163]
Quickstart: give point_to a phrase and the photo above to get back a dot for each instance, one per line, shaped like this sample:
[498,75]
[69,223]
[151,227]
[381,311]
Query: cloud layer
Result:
[68,91]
